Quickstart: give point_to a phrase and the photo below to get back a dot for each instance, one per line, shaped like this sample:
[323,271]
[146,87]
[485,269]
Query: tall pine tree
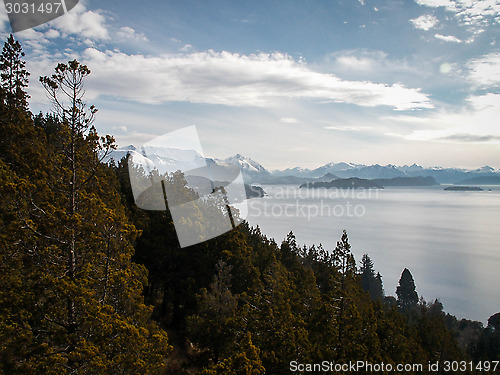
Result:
[407,296]
[14,75]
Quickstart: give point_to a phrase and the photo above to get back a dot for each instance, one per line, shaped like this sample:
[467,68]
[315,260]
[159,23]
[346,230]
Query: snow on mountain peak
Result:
[246,164]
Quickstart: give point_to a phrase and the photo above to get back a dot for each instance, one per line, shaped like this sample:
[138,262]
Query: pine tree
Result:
[214,325]
[370,282]
[407,296]
[95,289]
[367,272]
[346,267]
[14,76]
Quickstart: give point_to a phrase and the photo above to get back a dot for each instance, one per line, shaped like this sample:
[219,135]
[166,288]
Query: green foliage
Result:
[370,282]
[245,361]
[79,259]
[215,326]
[72,298]
[14,76]
[407,296]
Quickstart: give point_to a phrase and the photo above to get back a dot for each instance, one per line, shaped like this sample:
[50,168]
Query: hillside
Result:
[483,180]
[347,183]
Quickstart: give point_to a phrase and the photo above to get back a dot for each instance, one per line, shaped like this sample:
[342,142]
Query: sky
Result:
[288,83]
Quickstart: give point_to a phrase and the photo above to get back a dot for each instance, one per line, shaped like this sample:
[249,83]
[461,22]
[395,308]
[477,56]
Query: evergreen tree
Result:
[370,282]
[214,326]
[14,76]
[344,263]
[79,307]
[407,296]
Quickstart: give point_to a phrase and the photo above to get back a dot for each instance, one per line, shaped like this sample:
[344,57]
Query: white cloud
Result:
[425,22]
[469,12]
[129,34]
[349,128]
[476,123]
[83,22]
[377,66]
[448,38]
[234,80]
[289,120]
[359,60]
[4,19]
[485,71]
[52,33]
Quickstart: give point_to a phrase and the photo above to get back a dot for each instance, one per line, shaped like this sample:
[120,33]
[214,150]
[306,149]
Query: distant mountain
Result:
[327,177]
[254,172]
[482,180]
[376,171]
[379,171]
[485,170]
[340,169]
[249,167]
[380,183]
[119,154]
[406,181]
[295,172]
[414,168]
[343,183]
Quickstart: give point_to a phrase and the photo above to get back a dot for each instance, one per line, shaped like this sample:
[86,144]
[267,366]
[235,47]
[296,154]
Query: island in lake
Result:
[360,183]
[343,183]
[463,188]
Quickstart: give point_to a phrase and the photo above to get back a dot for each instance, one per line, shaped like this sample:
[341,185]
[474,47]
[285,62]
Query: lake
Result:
[449,240]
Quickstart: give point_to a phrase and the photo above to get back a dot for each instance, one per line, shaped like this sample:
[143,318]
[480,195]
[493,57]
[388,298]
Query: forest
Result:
[91,284]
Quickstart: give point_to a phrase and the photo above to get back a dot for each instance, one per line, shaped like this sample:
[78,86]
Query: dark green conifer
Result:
[407,296]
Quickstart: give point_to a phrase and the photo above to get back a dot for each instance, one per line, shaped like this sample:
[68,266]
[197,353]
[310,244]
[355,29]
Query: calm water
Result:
[450,241]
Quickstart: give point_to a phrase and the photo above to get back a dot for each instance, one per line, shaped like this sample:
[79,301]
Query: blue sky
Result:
[289,82]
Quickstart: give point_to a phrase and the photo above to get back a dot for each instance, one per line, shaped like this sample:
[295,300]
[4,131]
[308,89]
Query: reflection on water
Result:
[449,240]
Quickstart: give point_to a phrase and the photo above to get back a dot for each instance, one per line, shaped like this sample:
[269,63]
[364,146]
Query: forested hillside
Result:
[90,284]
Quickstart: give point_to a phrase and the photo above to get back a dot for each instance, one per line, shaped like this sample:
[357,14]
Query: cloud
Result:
[349,128]
[4,19]
[377,66]
[80,21]
[425,22]
[480,12]
[129,34]
[367,63]
[477,122]
[364,61]
[233,79]
[485,71]
[52,33]
[448,38]
[289,120]
[471,138]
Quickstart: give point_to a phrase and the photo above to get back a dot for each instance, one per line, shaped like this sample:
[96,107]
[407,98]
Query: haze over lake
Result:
[449,240]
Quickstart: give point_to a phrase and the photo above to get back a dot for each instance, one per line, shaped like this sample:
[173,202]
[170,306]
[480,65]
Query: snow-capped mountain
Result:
[338,169]
[254,172]
[248,166]
[172,159]
[485,170]
[119,154]
[295,172]
[411,168]
[164,159]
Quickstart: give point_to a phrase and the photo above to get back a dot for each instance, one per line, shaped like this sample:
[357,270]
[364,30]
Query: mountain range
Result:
[254,172]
